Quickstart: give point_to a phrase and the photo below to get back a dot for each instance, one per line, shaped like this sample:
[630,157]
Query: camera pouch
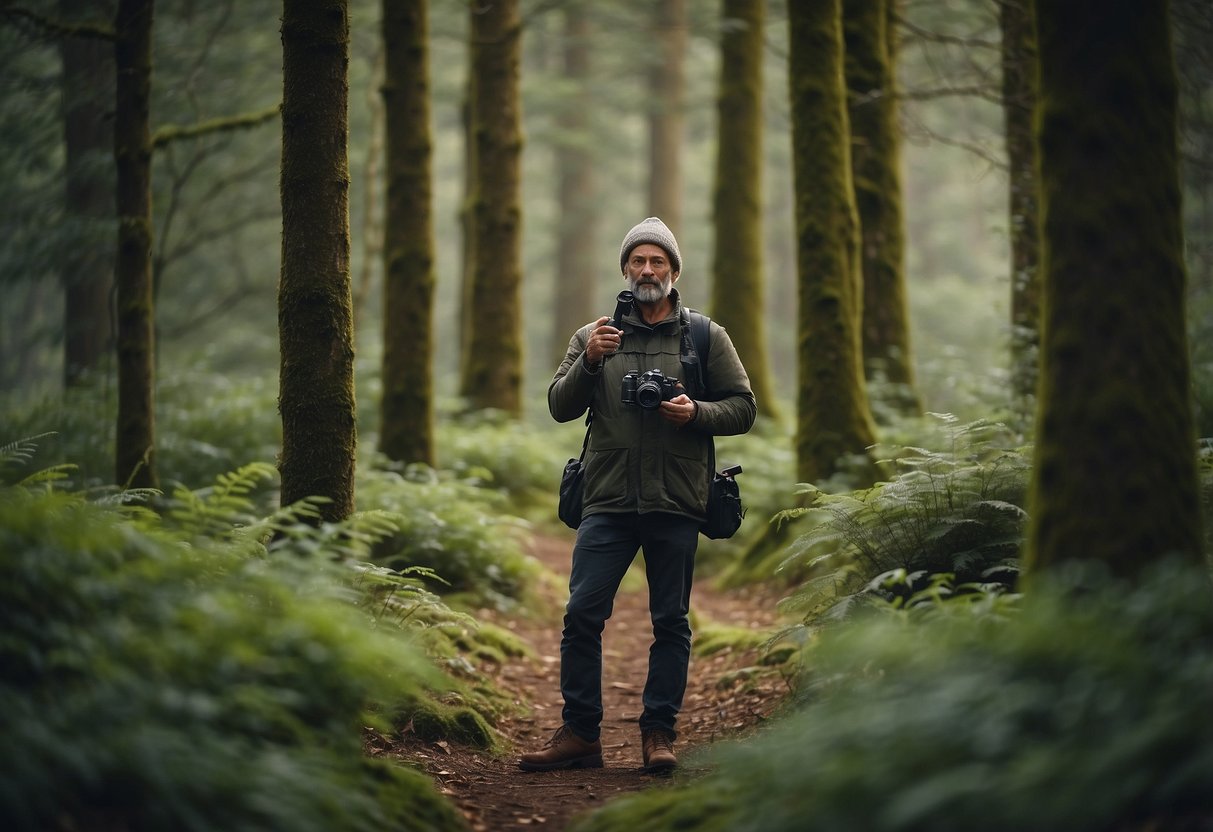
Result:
[572,492]
[724,509]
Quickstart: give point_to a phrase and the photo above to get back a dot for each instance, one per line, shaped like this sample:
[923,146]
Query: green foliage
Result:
[454,528]
[1086,711]
[158,674]
[206,424]
[956,512]
[518,459]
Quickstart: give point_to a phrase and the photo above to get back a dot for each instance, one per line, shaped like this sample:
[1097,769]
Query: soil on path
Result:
[721,702]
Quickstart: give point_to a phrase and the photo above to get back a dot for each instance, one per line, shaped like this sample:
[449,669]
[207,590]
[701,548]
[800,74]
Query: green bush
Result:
[1086,711]
[159,678]
[957,512]
[206,424]
[456,529]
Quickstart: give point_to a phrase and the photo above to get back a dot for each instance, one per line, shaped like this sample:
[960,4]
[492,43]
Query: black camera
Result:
[648,389]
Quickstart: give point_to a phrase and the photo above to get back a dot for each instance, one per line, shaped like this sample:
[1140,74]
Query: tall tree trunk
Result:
[315,308]
[739,280]
[1018,103]
[1114,477]
[668,85]
[576,190]
[88,258]
[876,178]
[372,218]
[135,457]
[466,225]
[494,361]
[833,420]
[407,425]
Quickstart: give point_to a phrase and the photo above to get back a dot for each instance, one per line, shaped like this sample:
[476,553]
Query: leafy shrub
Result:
[1088,710]
[158,674]
[454,528]
[206,424]
[957,512]
[517,458]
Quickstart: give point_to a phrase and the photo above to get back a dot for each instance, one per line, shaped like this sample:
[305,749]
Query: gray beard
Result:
[647,292]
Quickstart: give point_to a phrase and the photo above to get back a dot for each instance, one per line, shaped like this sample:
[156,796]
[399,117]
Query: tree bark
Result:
[1114,477]
[466,224]
[576,189]
[876,179]
[88,259]
[315,307]
[135,456]
[739,280]
[407,425]
[667,81]
[833,421]
[1018,103]
[494,360]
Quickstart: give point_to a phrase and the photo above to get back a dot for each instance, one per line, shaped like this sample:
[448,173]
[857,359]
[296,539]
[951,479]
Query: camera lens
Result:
[648,394]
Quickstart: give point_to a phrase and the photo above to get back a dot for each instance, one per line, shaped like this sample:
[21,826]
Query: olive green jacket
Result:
[636,460]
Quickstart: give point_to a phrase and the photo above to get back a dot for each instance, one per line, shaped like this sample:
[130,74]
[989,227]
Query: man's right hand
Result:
[604,341]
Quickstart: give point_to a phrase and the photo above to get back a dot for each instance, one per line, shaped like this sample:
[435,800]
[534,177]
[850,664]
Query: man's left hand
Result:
[680,410]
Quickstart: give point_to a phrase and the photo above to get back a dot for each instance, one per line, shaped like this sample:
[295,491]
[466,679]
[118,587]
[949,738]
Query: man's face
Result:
[650,275]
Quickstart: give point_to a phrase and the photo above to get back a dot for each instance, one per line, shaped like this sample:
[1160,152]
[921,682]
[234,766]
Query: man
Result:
[646,483]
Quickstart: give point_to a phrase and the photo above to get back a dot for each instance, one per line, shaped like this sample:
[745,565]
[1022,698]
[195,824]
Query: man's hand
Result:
[680,410]
[604,341]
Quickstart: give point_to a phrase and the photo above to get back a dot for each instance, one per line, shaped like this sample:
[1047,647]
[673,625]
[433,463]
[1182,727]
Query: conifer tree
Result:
[576,187]
[493,365]
[315,306]
[739,279]
[1114,476]
[1018,104]
[88,141]
[136,434]
[833,419]
[876,177]
[667,83]
[406,425]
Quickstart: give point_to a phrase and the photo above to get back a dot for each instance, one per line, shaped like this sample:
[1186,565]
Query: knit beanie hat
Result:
[651,230]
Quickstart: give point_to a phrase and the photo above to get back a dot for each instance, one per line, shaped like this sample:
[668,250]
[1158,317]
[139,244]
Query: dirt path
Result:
[494,794]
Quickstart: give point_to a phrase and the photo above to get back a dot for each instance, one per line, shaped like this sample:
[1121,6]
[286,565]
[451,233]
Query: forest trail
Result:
[493,794]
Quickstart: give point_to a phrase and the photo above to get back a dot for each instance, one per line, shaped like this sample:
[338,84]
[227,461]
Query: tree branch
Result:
[25,19]
[172,132]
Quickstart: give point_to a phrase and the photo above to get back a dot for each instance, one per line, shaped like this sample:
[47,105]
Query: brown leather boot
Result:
[658,747]
[564,750]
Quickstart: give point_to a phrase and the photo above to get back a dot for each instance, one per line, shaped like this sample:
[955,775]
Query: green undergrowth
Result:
[210,666]
[956,510]
[1084,705]
[464,533]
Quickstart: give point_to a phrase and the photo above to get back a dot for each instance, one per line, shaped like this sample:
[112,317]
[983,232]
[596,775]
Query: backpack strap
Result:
[695,349]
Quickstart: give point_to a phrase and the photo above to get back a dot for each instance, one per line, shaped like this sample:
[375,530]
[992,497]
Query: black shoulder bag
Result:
[572,483]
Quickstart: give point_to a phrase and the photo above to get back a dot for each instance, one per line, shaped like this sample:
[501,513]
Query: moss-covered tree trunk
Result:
[494,360]
[135,451]
[1018,104]
[88,141]
[876,178]
[576,188]
[667,99]
[315,307]
[739,280]
[466,224]
[833,419]
[406,428]
[1114,477]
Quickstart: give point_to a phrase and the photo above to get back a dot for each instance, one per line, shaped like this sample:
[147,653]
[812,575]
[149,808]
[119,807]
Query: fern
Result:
[954,512]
